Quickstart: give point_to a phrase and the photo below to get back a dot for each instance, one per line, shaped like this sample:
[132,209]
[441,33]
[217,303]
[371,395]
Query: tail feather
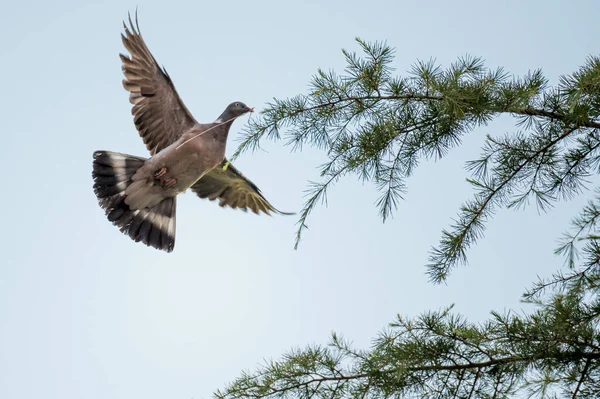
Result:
[154,226]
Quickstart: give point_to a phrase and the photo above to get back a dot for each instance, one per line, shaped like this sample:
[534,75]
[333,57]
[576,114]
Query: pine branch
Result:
[453,246]
[319,192]
[525,111]
[368,115]
[380,127]
[440,355]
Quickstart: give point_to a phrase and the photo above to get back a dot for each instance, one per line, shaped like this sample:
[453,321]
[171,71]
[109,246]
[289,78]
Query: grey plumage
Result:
[139,194]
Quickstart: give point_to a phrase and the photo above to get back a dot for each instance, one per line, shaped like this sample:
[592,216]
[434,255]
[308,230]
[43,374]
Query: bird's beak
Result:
[250,109]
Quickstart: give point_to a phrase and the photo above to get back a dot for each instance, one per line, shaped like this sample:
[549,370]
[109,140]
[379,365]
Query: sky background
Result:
[87,313]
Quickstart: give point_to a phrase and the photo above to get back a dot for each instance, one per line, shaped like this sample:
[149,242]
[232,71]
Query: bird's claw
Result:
[166,182]
[170,182]
[161,172]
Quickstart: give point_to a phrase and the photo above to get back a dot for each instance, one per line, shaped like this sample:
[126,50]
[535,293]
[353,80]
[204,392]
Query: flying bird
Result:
[139,194]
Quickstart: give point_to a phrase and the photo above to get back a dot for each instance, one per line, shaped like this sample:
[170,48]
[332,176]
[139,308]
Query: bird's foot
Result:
[161,172]
[169,182]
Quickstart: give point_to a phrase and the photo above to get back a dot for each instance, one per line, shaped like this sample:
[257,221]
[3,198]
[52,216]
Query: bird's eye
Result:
[237,104]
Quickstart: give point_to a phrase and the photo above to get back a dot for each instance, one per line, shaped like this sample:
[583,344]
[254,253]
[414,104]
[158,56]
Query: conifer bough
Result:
[377,125]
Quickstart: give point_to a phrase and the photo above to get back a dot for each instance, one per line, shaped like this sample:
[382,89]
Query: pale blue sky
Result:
[87,313]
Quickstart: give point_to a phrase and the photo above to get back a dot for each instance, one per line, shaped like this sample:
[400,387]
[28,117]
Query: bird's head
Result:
[236,109]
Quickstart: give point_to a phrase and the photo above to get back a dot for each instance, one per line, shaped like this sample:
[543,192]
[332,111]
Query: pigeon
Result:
[139,194]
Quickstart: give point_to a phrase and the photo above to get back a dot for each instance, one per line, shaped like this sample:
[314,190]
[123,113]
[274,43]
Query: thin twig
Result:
[474,383]
[583,374]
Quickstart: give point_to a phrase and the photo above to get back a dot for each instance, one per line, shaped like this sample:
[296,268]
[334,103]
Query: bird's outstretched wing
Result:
[233,189]
[159,114]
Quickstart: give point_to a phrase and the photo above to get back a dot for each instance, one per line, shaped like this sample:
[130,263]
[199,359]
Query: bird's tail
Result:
[153,226]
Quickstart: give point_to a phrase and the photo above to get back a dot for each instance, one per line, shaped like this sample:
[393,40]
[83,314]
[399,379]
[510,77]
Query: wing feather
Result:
[233,189]
[159,114]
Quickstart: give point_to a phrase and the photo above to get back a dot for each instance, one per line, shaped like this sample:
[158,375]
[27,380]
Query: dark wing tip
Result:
[285,213]
[137,24]
[133,30]
[267,208]
[130,22]
[271,208]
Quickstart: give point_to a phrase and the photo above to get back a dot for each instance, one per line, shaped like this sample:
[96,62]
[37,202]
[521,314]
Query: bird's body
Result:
[139,194]
[196,152]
